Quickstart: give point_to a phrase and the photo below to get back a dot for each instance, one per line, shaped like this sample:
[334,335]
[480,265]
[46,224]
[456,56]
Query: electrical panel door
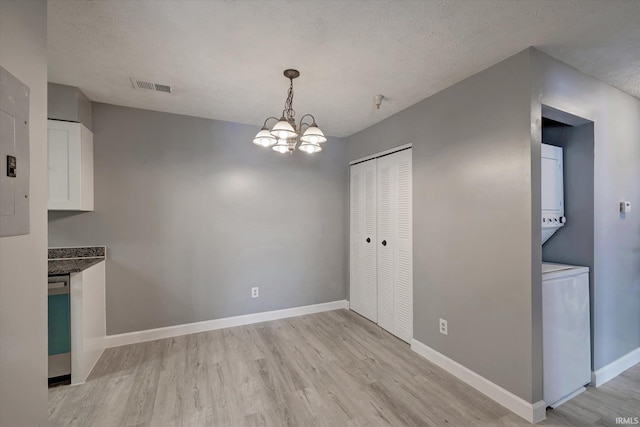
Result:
[14,156]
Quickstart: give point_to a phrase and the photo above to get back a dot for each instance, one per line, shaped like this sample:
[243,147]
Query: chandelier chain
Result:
[289,112]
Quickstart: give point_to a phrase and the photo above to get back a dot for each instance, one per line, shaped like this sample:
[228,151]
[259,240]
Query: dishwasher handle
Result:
[57,285]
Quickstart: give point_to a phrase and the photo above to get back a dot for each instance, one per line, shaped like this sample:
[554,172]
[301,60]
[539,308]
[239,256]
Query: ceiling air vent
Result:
[143,84]
[162,88]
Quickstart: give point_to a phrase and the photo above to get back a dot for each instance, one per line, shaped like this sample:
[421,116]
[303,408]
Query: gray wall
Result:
[193,215]
[69,103]
[23,259]
[616,117]
[472,198]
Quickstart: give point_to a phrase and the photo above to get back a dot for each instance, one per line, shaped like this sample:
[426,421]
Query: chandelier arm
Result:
[267,119]
[308,124]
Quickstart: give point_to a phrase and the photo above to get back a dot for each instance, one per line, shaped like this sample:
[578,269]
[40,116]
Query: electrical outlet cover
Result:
[443,327]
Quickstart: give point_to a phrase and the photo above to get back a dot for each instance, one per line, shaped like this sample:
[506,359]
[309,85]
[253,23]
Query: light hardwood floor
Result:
[328,369]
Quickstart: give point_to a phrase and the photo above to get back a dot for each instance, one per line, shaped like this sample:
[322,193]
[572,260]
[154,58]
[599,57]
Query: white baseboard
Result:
[227,322]
[615,368]
[532,413]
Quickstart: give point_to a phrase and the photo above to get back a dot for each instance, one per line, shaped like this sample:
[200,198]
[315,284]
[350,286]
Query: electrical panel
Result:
[14,156]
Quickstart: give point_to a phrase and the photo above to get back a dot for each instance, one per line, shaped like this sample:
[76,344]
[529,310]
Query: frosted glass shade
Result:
[310,148]
[283,130]
[264,138]
[313,135]
[281,147]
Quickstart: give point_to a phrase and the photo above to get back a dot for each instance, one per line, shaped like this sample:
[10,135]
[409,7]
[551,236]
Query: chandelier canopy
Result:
[283,136]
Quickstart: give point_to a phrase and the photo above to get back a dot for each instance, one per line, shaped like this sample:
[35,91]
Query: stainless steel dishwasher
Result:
[59,322]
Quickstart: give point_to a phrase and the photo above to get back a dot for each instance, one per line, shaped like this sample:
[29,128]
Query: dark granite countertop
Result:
[77,252]
[67,266]
[74,260]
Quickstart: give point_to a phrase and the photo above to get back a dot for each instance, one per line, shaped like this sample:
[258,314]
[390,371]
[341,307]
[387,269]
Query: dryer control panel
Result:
[553,220]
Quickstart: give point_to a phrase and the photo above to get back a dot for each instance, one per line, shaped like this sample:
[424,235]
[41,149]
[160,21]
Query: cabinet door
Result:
[70,166]
[65,165]
[363,271]
[395,264]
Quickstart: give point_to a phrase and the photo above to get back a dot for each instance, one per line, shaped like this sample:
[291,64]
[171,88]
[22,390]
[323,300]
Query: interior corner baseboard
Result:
[226,322]
[615,368]
[531,412]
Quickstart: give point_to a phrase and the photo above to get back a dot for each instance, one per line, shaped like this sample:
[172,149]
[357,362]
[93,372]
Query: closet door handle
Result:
[384,243]
[368,240]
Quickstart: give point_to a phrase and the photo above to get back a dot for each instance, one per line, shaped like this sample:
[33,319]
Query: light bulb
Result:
[282,135]
[313,139]
[281,146]
[310,148]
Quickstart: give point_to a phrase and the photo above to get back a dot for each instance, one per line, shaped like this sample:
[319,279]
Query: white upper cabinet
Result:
[70,166]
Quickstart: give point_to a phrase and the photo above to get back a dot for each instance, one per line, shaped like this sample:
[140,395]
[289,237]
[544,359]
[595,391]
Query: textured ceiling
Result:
[224,59]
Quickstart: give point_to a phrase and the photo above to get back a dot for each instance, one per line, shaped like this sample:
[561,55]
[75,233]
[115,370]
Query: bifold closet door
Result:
[363,294]
[394,232]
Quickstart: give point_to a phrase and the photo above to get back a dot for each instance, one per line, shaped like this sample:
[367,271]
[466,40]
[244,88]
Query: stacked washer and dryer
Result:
[565,298]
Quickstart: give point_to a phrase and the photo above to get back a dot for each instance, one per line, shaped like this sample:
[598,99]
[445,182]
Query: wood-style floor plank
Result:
[327,369]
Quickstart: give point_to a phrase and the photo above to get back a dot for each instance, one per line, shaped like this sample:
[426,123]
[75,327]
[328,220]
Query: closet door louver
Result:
[363,274]
[403,248]
[395,264]
[385,267]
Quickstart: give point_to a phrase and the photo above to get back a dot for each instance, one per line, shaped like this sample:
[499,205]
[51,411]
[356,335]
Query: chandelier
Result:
[283,137]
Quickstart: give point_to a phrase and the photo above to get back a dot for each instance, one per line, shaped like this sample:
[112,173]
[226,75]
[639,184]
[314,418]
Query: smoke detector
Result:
[144,84]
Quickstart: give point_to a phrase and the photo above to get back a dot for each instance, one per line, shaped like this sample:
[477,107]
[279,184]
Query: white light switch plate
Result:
[625,207]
